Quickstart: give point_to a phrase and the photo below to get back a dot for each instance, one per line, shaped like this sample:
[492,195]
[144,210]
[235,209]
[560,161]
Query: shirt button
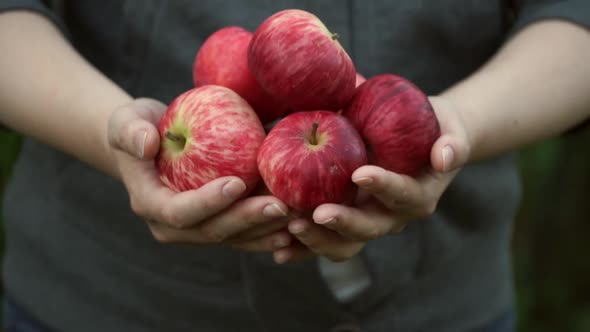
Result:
[347,327]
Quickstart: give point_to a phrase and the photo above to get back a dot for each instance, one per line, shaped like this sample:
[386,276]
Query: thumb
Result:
[451,150]
[133,128]
[448,153]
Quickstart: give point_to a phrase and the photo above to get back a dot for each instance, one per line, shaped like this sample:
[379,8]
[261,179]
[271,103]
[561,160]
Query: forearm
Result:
[49,92]
[537,86]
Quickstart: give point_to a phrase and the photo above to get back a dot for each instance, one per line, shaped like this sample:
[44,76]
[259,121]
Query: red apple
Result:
[223,60]
[206,133]
[360,79]
[296,59]
[396,121]
[308,158]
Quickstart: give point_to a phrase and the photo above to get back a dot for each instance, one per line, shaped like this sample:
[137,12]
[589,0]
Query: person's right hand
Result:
[211,214]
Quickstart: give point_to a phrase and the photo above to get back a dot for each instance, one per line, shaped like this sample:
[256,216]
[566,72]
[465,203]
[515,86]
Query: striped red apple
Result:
[396,121]
[206,133]
[308,159]
[223,60]
[298,60]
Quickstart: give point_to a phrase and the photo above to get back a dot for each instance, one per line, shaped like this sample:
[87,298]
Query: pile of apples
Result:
[328,121]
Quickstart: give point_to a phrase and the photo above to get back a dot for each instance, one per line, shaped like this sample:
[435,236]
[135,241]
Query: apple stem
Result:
[335,36]
[313,140]
[175,138]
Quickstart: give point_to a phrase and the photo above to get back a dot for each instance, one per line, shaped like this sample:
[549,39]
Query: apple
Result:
[360,79]
[396,121]
[296,59]
[308,159]
[223,60]
[206,133]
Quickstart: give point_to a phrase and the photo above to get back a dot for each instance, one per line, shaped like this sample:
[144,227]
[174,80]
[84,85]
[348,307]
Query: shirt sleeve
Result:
[42,8]
[527,12]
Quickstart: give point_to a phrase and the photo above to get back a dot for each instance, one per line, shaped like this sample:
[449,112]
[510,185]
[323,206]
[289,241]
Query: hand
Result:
[211,214]
[387,201]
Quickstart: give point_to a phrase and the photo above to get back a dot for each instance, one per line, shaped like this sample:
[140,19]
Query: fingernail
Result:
[296,228]
[281,257]
[139,142]
[326,221]
[364,181]
[280,242]
[447,157]
[233,189]
[273,210]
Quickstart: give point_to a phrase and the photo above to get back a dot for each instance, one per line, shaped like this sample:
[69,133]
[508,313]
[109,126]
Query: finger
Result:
[324,242]
[448,153]
[270,242]
[223,227]
[365,224]
[293,253]
[451,150]
[246,215]
[133,128]
[271,226]
[395,191]
[185,209]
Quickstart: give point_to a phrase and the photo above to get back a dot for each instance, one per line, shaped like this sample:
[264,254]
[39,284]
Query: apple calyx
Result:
[313,139]
[335,36]
[178,141]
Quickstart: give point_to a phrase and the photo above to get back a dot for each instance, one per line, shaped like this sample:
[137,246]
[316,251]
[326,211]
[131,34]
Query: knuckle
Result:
[426,210]
[376,233]
[398,229]
[345,253]
[172,218]
[210,204]
[338,257]
[371,234]
[138,207]
[251,217]
[430,208]
[403,192]
[162,237]
[212,236]
[251,222]
[255,246]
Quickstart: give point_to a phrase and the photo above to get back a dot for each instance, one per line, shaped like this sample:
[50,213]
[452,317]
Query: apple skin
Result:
[304,175]
[222,136]
[360,79]
[223,60]
[296,59]
[396,121]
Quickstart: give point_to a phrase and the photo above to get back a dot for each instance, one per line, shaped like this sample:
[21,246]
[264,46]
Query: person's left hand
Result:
[386,202]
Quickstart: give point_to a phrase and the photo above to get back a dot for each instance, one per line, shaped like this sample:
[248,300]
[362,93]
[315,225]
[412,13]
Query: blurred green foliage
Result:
[551,246]
[551,249]
[9,147]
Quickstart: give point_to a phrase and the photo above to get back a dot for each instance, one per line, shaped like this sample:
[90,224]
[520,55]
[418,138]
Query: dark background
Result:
[551,246]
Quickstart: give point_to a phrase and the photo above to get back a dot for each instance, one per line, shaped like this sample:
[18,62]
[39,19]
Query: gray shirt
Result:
[79,259]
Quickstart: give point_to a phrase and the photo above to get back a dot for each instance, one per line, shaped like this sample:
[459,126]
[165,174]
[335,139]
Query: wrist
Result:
[463,115]
[453,148]
[112,155]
